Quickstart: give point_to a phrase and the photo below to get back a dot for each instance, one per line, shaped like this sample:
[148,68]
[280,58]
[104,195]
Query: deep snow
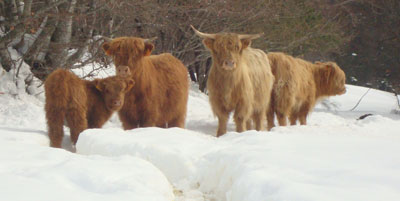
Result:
[335,157]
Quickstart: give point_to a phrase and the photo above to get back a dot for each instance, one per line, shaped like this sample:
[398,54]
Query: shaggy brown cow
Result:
[240,80]
[159,97]
[83,104]
[298,85]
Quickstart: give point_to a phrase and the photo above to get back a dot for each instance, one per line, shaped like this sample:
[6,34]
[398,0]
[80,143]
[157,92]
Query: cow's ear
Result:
[129,84]
[106,47]
[209,43]
[245,43]
[148,47]
[329,70]
[99,85]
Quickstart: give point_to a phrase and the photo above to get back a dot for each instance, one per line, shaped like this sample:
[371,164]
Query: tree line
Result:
[362,36]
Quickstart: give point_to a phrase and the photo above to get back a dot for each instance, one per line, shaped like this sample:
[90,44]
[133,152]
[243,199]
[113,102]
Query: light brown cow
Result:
[240,80]
[159,97]
[298,85]
[81,103]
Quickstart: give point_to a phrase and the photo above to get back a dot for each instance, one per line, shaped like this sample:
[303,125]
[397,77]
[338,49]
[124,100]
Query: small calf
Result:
[84,104]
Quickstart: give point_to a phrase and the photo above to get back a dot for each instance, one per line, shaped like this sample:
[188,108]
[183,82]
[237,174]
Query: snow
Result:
[335,157]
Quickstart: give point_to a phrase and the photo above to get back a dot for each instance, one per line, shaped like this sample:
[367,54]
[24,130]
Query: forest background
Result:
[362,36]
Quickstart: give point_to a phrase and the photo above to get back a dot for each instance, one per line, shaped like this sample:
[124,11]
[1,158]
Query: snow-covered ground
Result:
[335,157]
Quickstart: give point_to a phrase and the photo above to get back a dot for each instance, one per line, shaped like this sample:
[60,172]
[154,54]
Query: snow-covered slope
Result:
[335,157]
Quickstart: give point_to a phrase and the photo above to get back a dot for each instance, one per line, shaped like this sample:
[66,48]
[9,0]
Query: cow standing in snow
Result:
[240,80]
[299,84]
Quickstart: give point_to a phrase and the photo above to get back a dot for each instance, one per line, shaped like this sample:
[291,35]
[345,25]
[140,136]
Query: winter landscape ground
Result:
[335,157]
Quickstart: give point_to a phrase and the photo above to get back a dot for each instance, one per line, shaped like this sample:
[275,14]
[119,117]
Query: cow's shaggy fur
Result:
[240,80]
[299,84]
[159,97]
[82,104]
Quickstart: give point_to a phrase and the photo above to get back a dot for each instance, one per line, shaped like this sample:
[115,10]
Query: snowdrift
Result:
[335,157]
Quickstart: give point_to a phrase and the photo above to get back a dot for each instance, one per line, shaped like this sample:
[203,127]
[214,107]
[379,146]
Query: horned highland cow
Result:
[239,80]
[81,103]
[160,95]
[299,84]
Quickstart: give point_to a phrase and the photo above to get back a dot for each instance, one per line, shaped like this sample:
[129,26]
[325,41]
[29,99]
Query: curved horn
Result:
[203,35]
[149,40]
[107,39]
[250,36]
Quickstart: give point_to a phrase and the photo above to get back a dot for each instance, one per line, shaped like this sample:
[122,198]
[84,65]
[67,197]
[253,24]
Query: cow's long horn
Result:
[149,40]
[250,36]
[203,35]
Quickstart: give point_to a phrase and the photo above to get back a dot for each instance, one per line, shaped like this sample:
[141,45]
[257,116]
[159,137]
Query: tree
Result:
[371,55]
[61,32]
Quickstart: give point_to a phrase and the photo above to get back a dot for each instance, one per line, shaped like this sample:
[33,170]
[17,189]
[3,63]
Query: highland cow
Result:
[239,80]
[160,95]
[82,104]
[299,84]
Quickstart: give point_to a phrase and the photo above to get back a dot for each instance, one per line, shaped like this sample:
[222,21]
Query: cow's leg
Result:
[222,123]
[293,118]
[303,119]
[249,125]
[240,124]
[77,122]
[242,115]
[303,113]
[177,122]
[281,118]
[55,122]
[128,122]
[259,118]
[270,118]
[149,118]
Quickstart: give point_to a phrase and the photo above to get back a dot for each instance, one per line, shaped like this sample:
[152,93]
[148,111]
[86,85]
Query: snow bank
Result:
[168,149]
[22,110]
[332,161]
[306,163]
[32,172]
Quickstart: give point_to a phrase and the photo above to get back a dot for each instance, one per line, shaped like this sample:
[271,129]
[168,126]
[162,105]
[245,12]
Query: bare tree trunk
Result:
[15,32]
[61,38]
[40,46]
[36,54]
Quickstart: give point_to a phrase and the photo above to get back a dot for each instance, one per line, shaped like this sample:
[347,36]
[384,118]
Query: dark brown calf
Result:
[83,104]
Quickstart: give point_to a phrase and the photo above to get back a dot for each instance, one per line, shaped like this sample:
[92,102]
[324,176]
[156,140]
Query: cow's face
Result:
[125,50]
[226,48]
[113,90]
[335,76]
